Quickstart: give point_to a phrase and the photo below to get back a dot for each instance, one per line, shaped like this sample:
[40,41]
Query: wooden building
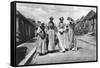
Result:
[87,23]
[91,20]
[25,28]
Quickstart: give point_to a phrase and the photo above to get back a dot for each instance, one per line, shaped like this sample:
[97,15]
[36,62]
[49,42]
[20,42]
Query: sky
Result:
[41,12]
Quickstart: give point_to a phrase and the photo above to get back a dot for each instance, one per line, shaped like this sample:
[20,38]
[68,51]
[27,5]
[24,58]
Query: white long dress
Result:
[72,38]
[61,38]
[66,40]
[51,37]
[41,43]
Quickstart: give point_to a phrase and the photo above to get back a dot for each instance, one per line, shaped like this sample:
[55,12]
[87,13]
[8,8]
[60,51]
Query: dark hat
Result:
[42,26]
[51,18]
[61,18]
[39,22]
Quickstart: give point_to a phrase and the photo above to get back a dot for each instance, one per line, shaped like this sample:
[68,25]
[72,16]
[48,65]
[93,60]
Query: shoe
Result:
[67,49]
[74,49]
[64,51]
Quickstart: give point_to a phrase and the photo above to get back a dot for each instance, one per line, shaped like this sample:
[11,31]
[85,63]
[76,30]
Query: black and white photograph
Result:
[55,34]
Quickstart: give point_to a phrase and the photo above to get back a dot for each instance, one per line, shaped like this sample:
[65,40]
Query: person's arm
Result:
[38,30]
[64,28]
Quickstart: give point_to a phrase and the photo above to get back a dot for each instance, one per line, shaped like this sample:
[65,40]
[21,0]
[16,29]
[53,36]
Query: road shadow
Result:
[78,48]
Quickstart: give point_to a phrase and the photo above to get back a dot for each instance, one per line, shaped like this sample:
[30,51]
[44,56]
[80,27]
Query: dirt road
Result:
[86,52]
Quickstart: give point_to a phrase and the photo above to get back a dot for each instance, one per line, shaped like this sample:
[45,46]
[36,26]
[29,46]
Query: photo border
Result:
[13,34]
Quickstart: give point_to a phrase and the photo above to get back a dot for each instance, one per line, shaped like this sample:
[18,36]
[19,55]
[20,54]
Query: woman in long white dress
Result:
[72,38]
[67,38]
[42,49]
[51,35]
[61,35]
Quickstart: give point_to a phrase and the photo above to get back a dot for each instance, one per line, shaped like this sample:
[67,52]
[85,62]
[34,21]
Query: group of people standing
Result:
[49,36]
